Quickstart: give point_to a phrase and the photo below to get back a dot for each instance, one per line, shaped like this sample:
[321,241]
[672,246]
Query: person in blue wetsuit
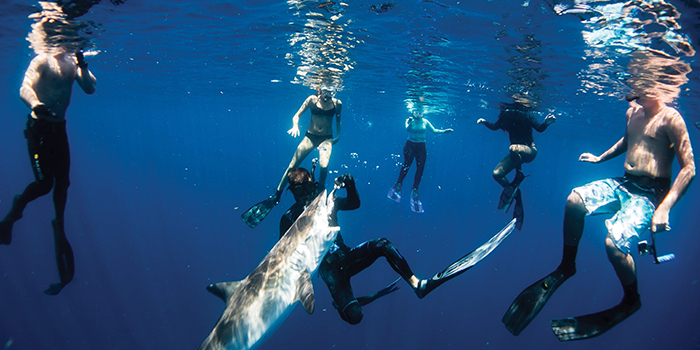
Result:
[414,149]
[518,122]
[343,262]
[324,108]
[46,90]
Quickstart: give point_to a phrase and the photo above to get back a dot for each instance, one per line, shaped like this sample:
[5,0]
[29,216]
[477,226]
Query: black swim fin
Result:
[509,192]
[374,296]
[593,325]
[531,300]
[257,213]
[519,211]
[14,215]
[465,263]
[64,258]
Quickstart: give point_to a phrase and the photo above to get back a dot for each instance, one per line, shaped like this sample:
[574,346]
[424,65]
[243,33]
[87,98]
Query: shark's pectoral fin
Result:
[223,290]
[305,292]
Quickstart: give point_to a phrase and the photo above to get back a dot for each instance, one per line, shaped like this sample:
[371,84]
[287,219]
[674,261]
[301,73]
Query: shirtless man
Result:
[414,149]
[641,199]
[46,90]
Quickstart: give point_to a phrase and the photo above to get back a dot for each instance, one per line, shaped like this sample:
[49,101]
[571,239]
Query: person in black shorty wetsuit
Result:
[46,90]
[516,120]
[324,106]
[343,262]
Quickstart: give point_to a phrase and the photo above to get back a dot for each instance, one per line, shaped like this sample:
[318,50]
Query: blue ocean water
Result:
[188,126]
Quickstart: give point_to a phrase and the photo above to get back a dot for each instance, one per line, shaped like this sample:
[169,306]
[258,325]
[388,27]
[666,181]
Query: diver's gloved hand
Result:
[81,59]
[345,180]
[42,109]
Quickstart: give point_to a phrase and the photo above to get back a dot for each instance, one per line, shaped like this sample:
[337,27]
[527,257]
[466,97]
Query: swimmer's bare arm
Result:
[32,75]
[678,135]
[437,131]
[338,109]
[617,149]
[84,77]
[294,131]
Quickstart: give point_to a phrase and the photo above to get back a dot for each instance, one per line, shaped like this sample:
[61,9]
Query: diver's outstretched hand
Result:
[550,119]
[294,131]
[345,180]
[588,157]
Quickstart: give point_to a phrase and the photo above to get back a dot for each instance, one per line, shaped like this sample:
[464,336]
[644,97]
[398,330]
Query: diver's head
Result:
[417,114]
[326,92]
[301,184]
[632,97]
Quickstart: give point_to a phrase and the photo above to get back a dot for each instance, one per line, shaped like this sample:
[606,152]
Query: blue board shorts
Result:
[632,204]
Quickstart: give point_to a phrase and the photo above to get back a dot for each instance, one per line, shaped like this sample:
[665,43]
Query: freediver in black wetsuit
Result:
[516,120]
[343,262]
[46,90]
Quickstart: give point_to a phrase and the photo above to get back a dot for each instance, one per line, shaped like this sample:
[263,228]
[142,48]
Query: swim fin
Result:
[531,300]
[416,204]
[593,325]
[518,211]
[14,215]
[64,258]
[465,263]
[257,213]
[374,296]
[510,191]
[395,193]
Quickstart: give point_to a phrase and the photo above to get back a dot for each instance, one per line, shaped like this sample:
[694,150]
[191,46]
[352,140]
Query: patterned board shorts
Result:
[632,205]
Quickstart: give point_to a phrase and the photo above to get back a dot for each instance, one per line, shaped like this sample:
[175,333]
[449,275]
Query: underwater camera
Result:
[649,248]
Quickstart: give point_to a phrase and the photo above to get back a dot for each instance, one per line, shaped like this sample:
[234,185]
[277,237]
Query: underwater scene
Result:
[149,154]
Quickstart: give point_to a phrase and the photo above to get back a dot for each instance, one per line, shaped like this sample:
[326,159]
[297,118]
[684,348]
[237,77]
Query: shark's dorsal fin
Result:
[305,292]
[223,290]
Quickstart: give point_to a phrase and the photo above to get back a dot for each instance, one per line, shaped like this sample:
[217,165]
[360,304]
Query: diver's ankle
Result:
[567,270]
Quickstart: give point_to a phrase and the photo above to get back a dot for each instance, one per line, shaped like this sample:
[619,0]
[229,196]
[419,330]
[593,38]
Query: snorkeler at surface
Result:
[46,90]
[518,122]
[641,199]
[343,262]
[414,149]
[324,106]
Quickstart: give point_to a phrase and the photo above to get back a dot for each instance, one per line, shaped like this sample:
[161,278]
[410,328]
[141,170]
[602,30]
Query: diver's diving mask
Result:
[327,92]
[304,189]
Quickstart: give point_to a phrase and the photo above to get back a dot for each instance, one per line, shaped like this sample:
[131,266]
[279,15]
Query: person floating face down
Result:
[641,199]
[416,126]
[518,122]
[46,90]
[343,262]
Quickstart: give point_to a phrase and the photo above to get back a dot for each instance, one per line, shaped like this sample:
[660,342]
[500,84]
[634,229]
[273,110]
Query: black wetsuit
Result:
[343,262]
[413,150]
[49,155]
[518,124]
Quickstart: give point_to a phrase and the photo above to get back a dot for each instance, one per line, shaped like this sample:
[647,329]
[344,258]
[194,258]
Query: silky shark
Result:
[258,304]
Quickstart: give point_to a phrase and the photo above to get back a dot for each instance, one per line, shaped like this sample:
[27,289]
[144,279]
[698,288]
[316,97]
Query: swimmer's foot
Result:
[395,193]
[416,204]
[257,213]
[14,215]
[464,263]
